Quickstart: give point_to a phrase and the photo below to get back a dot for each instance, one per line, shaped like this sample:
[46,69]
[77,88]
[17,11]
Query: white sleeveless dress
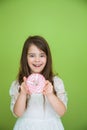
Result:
[39,115]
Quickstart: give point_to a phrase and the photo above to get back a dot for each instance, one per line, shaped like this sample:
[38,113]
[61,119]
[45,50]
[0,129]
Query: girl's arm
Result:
[20,104]
[56,103]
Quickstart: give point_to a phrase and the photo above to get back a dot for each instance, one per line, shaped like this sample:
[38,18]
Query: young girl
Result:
[40,111]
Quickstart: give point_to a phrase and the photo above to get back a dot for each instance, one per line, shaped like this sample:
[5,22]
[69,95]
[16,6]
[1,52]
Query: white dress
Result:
[39,115]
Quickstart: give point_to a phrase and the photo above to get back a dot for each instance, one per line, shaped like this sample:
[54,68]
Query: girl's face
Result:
[36,59]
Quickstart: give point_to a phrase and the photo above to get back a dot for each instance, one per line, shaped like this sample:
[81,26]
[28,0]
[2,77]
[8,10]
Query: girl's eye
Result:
[42,55]
[31,55]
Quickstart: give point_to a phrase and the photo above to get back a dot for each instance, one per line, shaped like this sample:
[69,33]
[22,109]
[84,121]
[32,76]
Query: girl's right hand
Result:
[24,87]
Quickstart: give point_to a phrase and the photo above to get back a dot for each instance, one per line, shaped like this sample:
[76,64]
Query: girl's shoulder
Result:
[57,79]
[58,83]
[14,87]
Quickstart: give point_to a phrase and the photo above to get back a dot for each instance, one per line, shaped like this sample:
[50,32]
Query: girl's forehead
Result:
[34,48]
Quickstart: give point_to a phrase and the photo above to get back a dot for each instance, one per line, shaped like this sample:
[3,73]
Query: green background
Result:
[64,24]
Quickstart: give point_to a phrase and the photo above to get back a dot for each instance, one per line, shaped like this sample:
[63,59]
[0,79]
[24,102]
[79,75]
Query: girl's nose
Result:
[37,58]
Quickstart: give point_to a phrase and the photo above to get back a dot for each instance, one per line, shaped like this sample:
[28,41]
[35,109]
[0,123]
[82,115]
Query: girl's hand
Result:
[48,89]
[24,87]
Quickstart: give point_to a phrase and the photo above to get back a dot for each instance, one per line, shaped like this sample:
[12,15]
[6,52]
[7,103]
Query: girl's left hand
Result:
[48,89]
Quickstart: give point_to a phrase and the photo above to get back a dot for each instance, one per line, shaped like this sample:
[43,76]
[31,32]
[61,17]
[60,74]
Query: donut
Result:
[35,83]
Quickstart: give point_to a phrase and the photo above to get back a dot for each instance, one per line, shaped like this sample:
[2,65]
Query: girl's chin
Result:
[36,71]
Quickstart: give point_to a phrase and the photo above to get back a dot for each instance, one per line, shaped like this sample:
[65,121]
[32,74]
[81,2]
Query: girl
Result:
[37,111]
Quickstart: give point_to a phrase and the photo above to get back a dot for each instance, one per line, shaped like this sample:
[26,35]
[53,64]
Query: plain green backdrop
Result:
[64,25]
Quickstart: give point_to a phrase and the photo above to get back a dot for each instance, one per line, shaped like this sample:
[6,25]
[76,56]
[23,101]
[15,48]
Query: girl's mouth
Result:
[37,65]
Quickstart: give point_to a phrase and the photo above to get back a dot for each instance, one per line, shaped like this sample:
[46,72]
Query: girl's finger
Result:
[24,79]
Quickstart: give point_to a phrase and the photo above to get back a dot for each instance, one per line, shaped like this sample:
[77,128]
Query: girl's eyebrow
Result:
[30,53]
[35,53]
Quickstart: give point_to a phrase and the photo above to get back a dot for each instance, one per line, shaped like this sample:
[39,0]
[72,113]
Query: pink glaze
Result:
[35,83]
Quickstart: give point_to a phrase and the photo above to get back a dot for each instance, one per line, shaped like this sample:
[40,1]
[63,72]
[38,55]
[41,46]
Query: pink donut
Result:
[35,83]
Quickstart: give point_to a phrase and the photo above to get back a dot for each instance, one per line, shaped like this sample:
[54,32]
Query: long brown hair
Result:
[24,69]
